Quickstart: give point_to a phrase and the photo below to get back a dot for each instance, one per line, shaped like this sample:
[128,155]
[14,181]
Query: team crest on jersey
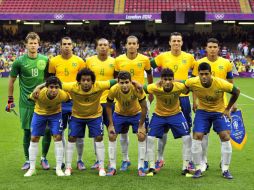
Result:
[238,133]
[111,65]
[139,65]
[221,67]
[41,64]
[218,91]
[74,64]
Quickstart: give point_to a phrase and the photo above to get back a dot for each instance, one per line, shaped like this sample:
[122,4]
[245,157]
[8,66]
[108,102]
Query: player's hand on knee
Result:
[234,108]
[141,133]
[194,107]
[227,114]
[10,104]
[111,133]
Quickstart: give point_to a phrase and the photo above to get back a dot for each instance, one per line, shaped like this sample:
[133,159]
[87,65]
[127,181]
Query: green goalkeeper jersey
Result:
[31,73]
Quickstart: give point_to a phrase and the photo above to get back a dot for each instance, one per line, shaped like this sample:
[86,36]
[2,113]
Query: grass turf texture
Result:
[12,158]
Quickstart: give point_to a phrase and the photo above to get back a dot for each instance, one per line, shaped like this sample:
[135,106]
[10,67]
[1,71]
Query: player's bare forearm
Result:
[149,78]
[233,98]
[109,112]
[194,98]
[234,107]
[11,86]
[143,106]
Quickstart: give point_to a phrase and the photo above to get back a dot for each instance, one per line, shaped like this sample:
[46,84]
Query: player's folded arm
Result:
[153,63]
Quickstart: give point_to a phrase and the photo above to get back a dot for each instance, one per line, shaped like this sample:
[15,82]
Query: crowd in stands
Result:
[242,54]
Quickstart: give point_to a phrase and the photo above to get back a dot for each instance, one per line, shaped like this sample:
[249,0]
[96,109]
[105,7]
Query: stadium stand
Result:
[156,6]
[59,6]
[252,4]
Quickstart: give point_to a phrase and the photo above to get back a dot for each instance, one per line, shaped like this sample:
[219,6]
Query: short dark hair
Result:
[212,40]
[101,39]
[124,75]
[132,36]
[53,80]
[65,38]
[33,36]
[167,73]
[175,34]
[204,66]
[86,72]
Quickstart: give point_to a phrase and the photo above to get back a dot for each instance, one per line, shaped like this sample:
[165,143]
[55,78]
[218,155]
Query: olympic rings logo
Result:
[59,16]
[219,16]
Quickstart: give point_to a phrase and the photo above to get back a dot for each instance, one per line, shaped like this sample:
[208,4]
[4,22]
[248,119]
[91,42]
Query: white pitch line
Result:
[251,98]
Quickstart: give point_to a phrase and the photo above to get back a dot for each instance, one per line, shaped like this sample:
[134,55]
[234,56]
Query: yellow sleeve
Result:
[227,86]
[187,83]
[117,65]
[157,60]
[195,69]
[147,64]
[82,64]
[183,88]
[67,86]
[111,94]
[104,84]
[141,95]
[229,67]
[193,62]
[64,96]
[51,68]
[150,88]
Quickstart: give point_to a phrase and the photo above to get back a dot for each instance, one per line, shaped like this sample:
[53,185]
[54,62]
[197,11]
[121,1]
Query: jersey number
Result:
[35,72]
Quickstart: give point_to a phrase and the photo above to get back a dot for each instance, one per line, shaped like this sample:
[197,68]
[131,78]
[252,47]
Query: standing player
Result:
[211,111]
[66,66]
[221,68]
[86,110]
[167,114]
[103,66]
[31,69]
[136,64]
[180,62]
[47,112]
[130,109]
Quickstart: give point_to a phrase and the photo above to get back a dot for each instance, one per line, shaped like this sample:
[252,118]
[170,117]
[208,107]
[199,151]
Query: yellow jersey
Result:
[126,104]
[167,103]
[46,106]
[104,70]
[221,68]
[86,105]
[66,69]
[135,66]
[210,99]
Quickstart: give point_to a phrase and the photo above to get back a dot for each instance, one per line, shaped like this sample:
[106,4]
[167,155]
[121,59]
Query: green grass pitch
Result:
[11,159]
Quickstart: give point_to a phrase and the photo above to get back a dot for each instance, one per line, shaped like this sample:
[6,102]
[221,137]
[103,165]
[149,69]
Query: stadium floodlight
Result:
[229,21]
[31,23]
[74,23]
[17,21]
[158,21]
[246,23]
[51,22]
[203,23]
[125,21]
[116,23]
[87,21]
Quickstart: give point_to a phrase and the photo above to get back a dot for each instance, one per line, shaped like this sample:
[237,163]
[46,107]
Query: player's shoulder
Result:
[178,85]
[223,60]
[56,58]
[204,59]
[192,80]
[41,56]
[121,57]
[75,57]
[141,56]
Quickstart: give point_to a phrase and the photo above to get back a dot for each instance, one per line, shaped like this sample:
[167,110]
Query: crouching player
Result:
[47,111]
[212,111]
[130,109]
[168,115]
[86,110]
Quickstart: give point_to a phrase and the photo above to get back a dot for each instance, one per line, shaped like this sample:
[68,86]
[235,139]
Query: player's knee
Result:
[125,130]
[141,137]
[198,136]
[35,139]
[112,137]
[57,137]
[224,136]
[72,139]
[98,139]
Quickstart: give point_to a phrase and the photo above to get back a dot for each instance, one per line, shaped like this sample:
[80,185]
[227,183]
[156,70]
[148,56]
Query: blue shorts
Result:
[104,113]
[66,112]
[77,127]
[204,120]
[186,109]
[177,123]
[39,124]
[122,122]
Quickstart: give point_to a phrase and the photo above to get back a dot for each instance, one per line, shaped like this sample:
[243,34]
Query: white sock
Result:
[124,141]
[186,150]
[80,147]
[33,151]
[205,148]
[146,154]
[59,154]
[94,145]
[112,154]
[226,153]
[64,145]
[141,153]
[100,152]
[69,153]
[151,151]
[196,150]
[161,146]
